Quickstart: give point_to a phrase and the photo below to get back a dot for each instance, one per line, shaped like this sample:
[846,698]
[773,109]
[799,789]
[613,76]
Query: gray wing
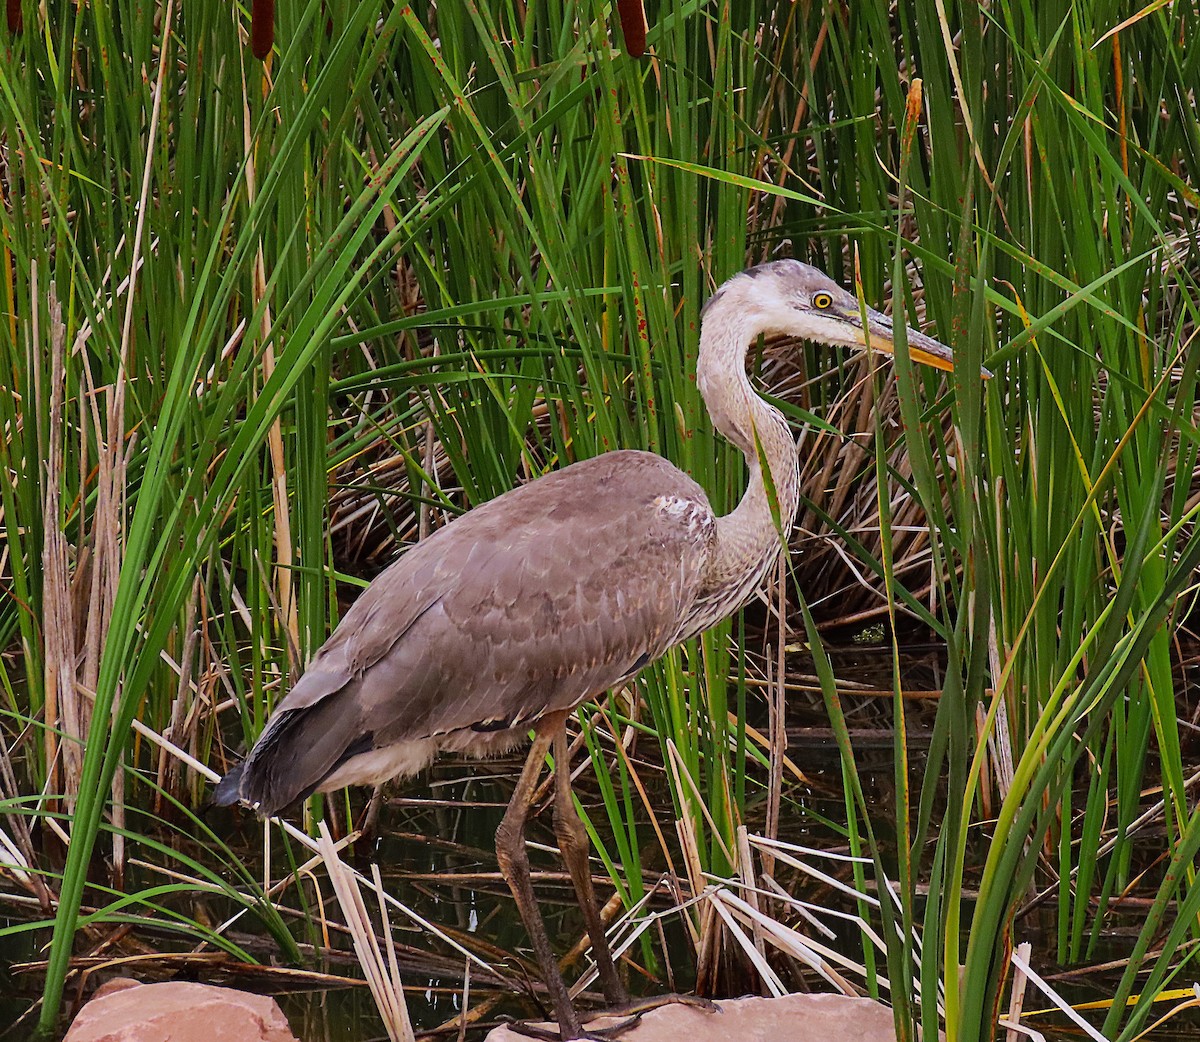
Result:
[528,604]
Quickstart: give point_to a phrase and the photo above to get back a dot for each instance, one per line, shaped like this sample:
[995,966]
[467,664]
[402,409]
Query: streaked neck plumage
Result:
[748,538]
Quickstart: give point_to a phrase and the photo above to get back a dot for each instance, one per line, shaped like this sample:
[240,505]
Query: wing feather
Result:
[531,603]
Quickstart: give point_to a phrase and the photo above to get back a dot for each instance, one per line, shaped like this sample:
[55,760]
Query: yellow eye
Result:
[821,301]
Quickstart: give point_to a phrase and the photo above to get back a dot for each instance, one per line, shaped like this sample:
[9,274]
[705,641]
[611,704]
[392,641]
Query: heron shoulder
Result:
[631,475]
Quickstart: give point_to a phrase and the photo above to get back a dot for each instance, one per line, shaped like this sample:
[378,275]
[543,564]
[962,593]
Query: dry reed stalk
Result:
[58,622]
[184,723]
[1000,740]
[746,871]
[708,949]
[18,824]
[383,975]
[819,956]
[1017,999]
[815,956]
[17,866]
[771,983]
[681,776]
[1021,962]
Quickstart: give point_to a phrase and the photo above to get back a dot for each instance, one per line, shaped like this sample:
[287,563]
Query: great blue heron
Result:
[504,621]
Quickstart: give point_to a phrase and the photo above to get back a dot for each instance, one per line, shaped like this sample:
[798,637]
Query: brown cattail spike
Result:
[262,28]
[633,25]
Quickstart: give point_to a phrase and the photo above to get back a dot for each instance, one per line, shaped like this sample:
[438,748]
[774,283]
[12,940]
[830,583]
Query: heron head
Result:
[794,299]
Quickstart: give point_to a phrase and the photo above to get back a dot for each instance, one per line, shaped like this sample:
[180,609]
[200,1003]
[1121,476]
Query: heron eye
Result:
[821,301]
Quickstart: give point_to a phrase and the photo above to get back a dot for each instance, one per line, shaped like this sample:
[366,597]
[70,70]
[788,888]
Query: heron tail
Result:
[229,788]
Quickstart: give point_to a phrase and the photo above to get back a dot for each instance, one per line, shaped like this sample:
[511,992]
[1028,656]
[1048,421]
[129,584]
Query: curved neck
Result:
[748,540]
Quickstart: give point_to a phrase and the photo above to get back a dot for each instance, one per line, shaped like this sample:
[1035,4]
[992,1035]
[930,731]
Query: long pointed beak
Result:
[921,348]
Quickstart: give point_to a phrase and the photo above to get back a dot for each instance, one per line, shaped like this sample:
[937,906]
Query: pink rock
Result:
[792,1018]
[178,1011]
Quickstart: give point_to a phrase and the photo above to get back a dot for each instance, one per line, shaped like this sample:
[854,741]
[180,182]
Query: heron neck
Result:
[748,538]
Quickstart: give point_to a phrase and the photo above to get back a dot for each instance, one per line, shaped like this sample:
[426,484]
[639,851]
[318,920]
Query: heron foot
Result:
[606,1034]
[631,1011]
[643,1005]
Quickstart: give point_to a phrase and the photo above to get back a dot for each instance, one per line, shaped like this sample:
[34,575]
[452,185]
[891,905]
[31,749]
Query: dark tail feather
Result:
[229,788]
[293,757]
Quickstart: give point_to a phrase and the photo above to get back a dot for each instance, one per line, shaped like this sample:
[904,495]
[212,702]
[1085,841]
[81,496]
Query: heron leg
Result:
[573,842]
[514,867]
[369,823]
